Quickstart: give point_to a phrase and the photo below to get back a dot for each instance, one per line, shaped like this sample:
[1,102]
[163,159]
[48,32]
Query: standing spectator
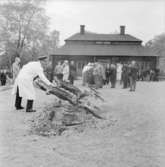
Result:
[119,72]
[107,74]
[84,74]
[152,74]
[9,79]
[16,67]
[157,72]
[87,74]
[0,76]
[113,72]
[58,71]
[65,71]
[125,76]
[133,75]
[72,72]
[99,75]
[96,76]
[3,77]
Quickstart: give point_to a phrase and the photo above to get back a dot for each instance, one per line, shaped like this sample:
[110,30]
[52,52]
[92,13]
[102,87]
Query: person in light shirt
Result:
[16,67]
[66,71]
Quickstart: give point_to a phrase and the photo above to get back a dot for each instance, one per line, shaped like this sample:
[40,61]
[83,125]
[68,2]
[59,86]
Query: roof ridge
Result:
[91,36]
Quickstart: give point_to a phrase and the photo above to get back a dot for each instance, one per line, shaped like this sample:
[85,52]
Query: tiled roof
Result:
[87,36]
[104,50]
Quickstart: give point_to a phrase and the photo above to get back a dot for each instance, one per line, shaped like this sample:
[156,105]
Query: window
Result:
[99,42]
[103,42]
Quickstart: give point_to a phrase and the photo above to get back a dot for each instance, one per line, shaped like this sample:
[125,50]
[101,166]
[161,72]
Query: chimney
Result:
[122,30]
[82,29]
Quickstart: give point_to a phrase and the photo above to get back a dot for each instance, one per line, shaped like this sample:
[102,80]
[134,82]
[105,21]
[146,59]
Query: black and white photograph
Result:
[82,83]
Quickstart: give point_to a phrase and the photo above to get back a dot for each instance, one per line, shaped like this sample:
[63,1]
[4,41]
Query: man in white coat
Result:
[23,86]
[65,71]
[119,71]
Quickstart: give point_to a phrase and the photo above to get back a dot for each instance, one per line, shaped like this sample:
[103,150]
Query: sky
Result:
[143,19]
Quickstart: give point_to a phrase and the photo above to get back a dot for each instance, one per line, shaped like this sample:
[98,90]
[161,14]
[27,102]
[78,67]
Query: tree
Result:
[51,42]
[157,44]
[23,26]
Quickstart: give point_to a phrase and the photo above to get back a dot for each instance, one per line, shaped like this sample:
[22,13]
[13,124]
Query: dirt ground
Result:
[137,139]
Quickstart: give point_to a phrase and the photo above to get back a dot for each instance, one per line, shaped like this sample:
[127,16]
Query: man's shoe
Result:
[19,108]
[30,110]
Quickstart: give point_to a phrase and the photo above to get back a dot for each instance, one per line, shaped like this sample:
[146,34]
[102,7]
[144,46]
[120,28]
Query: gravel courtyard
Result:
[137,139]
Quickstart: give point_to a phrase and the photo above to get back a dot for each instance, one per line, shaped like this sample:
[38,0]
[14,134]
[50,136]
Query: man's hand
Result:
[50,87]
[53,85]
[56,82]
[48,91]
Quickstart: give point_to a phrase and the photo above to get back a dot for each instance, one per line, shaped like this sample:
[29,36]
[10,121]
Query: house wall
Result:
[144,63]
[161,63]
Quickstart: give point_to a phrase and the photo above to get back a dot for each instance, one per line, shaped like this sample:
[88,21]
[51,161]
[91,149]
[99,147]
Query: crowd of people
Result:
[3,77]
[92,74]
[97,75]
[7,77]
[148,75]
[65,71]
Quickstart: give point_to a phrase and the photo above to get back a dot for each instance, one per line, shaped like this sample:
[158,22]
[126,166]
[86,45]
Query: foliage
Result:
[157,44]
[24,30]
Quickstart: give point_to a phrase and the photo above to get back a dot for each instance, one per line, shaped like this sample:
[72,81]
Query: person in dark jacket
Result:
[72,72]
[113,73]
[133,75]
[0,76]
[107,74]
[156,77]
[58,71]
[3,77]
[125,76]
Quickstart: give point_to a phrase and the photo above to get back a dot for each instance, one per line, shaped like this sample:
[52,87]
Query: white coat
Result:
[66,72]
[119,71]
[25,78]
